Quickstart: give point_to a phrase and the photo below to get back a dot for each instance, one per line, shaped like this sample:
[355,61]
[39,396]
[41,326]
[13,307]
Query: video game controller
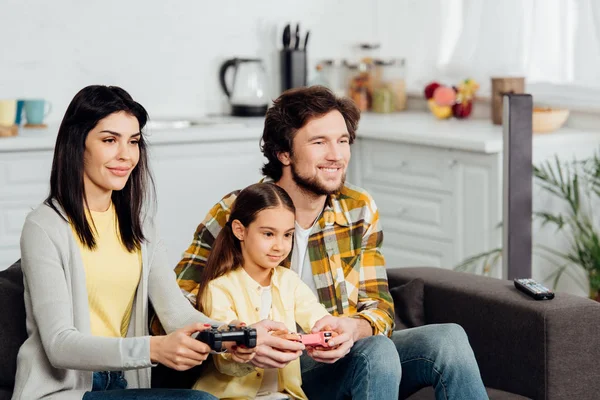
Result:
[214,337]
[317,339]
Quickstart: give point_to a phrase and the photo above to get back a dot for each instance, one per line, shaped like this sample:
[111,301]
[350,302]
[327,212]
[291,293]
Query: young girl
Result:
[243,279]
[91,259]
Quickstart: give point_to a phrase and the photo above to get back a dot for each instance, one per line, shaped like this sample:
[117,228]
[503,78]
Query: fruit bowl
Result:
[547,119]
[451,101]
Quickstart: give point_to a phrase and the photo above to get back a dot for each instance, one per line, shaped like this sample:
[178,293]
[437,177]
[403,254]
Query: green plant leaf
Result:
[577,184]
[472,261]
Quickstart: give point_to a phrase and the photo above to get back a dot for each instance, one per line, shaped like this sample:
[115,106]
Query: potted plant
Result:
[577,185]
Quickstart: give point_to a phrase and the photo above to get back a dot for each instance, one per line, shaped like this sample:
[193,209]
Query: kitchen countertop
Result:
[408,127]
[477,135]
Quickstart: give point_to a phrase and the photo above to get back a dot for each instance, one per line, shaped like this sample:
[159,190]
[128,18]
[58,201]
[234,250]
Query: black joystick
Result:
[214,337]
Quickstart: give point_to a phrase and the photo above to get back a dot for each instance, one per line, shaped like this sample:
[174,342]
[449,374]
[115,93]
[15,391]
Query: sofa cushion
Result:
[493,394]
[5,394]
[408,304]
[12,321]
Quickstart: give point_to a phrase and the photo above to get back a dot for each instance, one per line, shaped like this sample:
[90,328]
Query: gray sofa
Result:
[537,349]
[12,326]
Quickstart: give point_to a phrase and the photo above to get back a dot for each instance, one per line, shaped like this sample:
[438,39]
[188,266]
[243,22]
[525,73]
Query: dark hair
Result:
[88,107]
[226,252]
[292,111]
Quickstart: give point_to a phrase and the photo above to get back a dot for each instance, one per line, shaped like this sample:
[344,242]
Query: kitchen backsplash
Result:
[167,54]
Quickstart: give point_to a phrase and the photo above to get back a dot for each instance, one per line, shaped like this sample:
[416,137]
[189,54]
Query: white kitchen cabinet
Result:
[437,205]
[190,177]
[24,183]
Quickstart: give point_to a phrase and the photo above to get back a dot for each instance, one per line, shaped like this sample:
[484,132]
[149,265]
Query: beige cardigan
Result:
[58,357]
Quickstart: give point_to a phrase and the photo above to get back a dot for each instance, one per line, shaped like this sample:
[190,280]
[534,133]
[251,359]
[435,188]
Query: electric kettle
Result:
[248,94]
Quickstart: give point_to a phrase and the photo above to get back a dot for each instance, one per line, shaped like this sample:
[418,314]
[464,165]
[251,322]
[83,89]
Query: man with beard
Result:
[337,252]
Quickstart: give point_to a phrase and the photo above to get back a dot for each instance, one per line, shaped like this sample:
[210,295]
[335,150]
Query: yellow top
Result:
[237,296]
[112,276]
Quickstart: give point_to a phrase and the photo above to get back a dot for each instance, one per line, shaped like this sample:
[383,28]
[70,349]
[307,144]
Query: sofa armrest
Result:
[546,349]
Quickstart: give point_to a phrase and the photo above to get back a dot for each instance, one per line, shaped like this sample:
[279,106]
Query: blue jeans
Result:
[438,355]
[367,373]
[432,355]
[112,385]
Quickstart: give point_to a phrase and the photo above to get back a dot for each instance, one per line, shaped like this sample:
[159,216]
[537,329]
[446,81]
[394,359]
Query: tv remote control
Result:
[533,289]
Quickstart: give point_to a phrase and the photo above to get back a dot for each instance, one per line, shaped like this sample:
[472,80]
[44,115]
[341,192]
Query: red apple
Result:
[462,110]
[429,89]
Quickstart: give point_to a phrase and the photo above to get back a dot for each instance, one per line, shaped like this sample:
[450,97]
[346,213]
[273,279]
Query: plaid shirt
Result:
[344,249]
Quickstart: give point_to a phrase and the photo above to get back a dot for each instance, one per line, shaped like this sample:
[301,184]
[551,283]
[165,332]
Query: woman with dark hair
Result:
[243,278]
[91,259]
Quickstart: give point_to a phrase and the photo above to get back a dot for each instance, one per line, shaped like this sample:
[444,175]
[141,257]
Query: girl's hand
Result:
[285,334]
[242,354]
[178,350]
[273,351]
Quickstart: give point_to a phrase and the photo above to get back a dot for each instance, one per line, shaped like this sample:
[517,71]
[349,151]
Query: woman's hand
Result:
[178,350]
[240,353]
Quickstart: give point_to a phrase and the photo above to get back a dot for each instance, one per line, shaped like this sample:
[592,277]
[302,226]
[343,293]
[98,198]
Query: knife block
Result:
[293,69]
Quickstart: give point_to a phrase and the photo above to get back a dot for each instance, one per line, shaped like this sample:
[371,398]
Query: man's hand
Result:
[348,330]
[273,351]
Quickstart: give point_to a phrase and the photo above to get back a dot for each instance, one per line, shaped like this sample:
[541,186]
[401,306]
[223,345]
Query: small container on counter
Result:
[389,86]
[359,85]
[319,77]
[336,75]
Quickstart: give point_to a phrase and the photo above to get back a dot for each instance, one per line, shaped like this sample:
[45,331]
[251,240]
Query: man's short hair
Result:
[293,110]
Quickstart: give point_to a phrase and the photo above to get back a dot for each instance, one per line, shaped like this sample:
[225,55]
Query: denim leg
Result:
[100,381]
[112,385]
[438,355]
[149,394]
[371,371]
[117,381]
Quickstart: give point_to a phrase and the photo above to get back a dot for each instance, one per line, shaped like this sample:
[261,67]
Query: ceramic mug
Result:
[36,110]
[8,112]
[20,104]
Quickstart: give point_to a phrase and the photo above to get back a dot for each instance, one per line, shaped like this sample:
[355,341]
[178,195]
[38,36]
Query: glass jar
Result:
[368,52]
[359,85]
[335,73]
[389,85]
[319,77]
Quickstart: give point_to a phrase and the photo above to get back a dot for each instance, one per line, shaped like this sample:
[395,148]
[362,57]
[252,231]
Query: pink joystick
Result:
[318,339]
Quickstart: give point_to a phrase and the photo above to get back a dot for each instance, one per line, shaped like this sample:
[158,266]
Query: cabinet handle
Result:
[452,163]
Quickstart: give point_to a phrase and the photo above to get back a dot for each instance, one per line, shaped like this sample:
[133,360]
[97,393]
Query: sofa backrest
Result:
[12,323]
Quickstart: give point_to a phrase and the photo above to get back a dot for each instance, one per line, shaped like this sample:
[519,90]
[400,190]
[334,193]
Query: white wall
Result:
[167,53]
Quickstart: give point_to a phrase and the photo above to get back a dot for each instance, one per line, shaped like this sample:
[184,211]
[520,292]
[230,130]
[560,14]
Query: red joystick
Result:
[318,339]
